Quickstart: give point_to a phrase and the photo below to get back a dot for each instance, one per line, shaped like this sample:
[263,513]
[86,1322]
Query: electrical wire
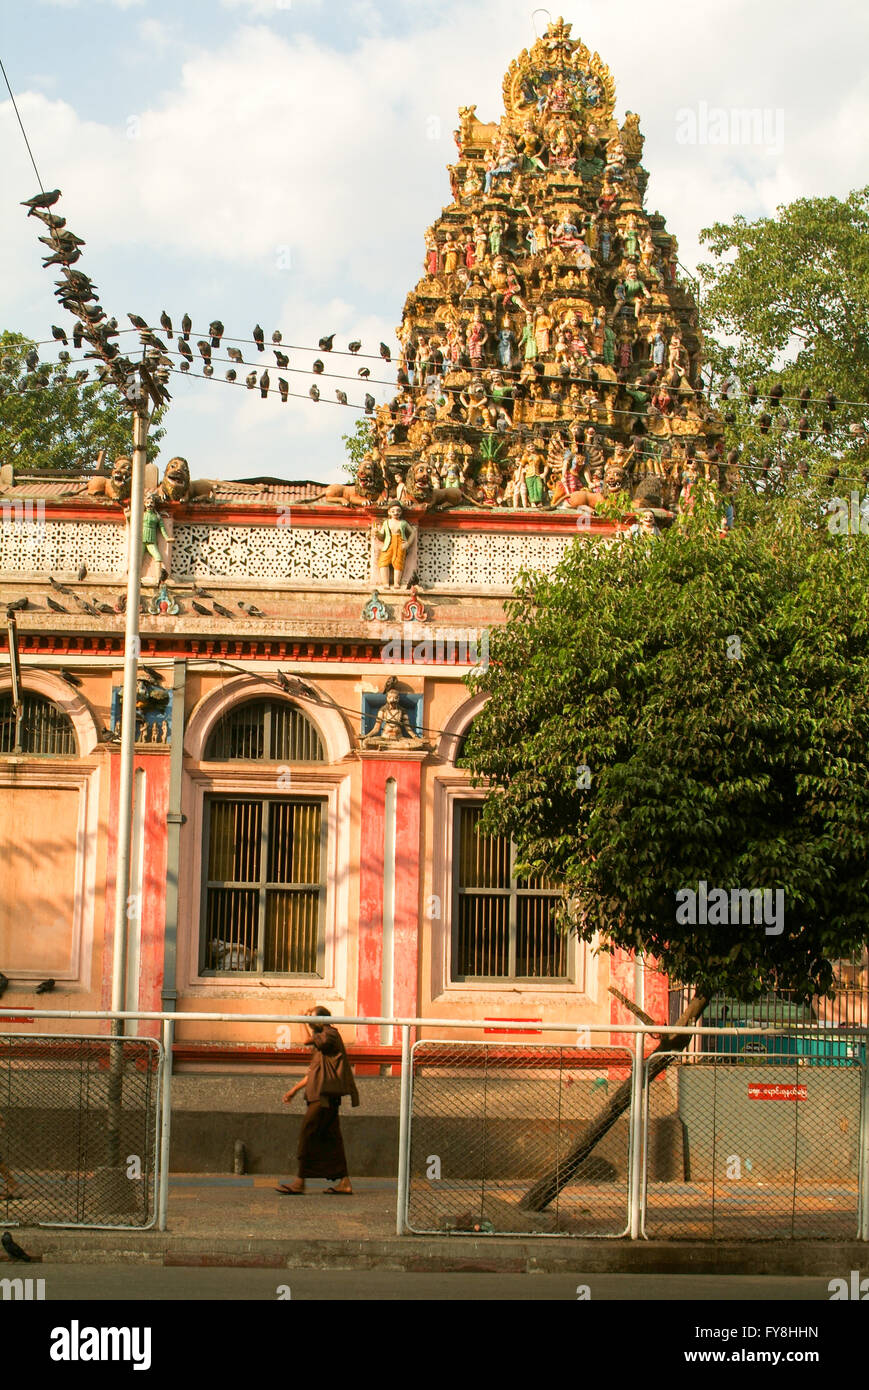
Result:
[21,123]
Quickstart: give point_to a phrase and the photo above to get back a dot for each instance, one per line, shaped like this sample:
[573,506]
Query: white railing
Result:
[583,1031]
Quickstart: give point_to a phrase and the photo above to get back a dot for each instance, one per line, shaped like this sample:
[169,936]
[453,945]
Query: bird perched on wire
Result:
[51,219]
[204,349]
[219,608]
[69,677]
[259,338]
[369,403]
[282,359]
[200,608]
[77,334]
[355,345]
[319,366]
[314,393]
[264,385]
[186,325]
[166,323]
[277,336]
[185,367]
[59,335]
[216,330]
[41,200]
[32,360]
[293,686]
[752,394]
[250,380]
[325,344]
[45,987]
[385,353]
[232,374]
[63,257]
[138,322]
[13,1249]
[251,609]
[364,372]
[208,370]
[284,388]
[342,397]
[776,394]
[234,354]
[185,349]
[831,400]
[54,605]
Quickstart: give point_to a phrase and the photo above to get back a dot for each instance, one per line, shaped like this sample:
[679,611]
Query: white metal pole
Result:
[128,717]
[165,1126]
[403,1133]
[635,1147]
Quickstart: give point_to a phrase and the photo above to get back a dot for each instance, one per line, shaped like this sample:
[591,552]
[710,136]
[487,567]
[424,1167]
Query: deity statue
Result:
[392,727]
[477,339]
[152,524]
[506,344]
[528,341]
[395,536]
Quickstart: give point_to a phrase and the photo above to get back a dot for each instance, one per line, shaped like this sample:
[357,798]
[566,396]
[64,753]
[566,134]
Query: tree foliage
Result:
[715,690]
[358,444]
[50,420]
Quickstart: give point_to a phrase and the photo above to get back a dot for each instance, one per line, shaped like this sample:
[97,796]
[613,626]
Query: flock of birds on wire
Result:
[77,293]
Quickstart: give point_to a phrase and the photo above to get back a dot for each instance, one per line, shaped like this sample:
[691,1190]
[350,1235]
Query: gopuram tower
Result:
[550,354]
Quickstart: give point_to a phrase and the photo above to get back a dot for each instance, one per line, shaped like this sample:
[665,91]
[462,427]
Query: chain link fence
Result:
[79,1123]
[769,1147]
[489,1120]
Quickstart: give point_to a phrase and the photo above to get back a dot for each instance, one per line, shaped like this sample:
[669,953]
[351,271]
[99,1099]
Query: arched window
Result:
[44,730]
[265,731]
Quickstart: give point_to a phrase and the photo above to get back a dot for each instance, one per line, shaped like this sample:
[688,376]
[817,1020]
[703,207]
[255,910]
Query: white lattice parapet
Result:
[29,544]
[464,559]
[203,551]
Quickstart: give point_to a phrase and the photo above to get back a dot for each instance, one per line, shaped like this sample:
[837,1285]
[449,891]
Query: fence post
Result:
[403,1131]
[636,1134]
[863,1148]
[165,1125]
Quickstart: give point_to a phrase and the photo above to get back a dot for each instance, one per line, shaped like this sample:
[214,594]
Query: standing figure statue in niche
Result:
[152,524]
[496,229]
[395,538]
[506,343]
[528,341]
[392,726]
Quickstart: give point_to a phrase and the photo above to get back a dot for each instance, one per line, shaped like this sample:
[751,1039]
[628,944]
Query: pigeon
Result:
[264,385]
[284,388]
[355,345]
[50,219]
[806,395]
[18,606]
[277,336]
[45,987]
[234,354]
[208,370]
[185,349]
[69,677]
[185,367]
[831,400]
[319,367]
[82,573]
[200,608]
[151,340]
[369,403]
[314,393]
[32,360]
[250,380]
[153,674]
[385,353]
[4,984]
[775,395]
[803,427]
[342,397]
[166,322]
[121,605]
[259,338]
[13,1250]
[251,609]
[59,335]
[138,322]
[41,200]
[232,374]
[764,422]
[55,584]
[204,348]
[62,258]
[63,357]
[216,330]
[752,395]
[219,608]
[325,344]
[282,359]
[102,607]
[186,325]
[364,372]
[200,593]
[54,605]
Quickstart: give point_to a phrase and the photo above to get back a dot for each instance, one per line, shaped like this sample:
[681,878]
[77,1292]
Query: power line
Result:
[21,123]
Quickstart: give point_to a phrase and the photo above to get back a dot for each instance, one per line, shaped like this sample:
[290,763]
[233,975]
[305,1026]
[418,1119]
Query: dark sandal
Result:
[338,1192]
[284,1191]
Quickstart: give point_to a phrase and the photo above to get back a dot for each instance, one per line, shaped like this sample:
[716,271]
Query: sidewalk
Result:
[242,1221]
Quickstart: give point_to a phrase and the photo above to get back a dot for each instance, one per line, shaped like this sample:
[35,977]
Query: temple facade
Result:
[303,829]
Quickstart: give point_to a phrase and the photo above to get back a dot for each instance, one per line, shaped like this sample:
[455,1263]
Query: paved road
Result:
[84,1282]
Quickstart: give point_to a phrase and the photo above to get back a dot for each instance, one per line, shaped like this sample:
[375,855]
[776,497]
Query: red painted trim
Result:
[370,936]
[270,1056]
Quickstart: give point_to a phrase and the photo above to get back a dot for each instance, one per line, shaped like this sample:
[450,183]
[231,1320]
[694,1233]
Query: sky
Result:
[278,161]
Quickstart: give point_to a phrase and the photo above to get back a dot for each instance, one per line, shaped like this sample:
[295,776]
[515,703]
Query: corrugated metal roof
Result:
[235,492]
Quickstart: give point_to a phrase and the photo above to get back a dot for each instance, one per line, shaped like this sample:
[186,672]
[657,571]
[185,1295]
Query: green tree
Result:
[787,301]
[358,444]
[52,418]
[691,709]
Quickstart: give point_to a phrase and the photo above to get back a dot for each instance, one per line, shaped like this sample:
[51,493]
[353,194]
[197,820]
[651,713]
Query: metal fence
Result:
[79,1123]
[491,1119]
